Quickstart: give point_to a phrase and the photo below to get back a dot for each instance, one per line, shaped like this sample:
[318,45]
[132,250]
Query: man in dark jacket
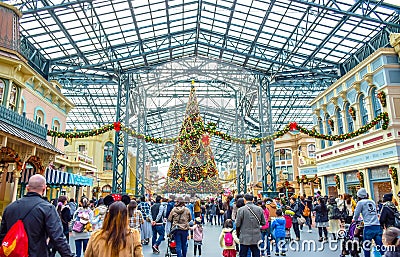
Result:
[386,218]
[42,222]
[158,225]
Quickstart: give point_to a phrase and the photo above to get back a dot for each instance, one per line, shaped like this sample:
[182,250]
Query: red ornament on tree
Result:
[206,139]
[117,126]
[293,126]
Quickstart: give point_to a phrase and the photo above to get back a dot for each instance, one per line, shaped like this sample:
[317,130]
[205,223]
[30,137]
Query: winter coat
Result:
[266,216]
[297,211]
[42,222]
[197,206]
[197,232]
[93,220]
[99,247]
[65,218]
[222,241]
[248,225]
[387,215]
[180,216]
[331,207]
[213,209]
[321,215]
[278,227]
[272,210]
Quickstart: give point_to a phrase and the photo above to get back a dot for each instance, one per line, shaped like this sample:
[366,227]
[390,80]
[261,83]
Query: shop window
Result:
[311,150]
[339,122]
[81,148]
[287,171]
[39,119]
[328,128]
[351,176]
[108,156]
[321,131]
[13,98]
[349,119]
[2,89]
[283,154]
[376,105]
[363,110]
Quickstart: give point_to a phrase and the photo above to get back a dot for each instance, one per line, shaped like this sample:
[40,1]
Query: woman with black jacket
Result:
[321,218]
[387,217]
[298,212]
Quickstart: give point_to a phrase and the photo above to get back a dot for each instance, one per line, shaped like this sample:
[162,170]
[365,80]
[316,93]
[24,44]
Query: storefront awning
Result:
[57,177]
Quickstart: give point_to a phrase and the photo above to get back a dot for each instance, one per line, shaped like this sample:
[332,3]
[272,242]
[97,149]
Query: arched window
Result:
[321,131]
[363,110]
[328,127]
[349,119]
[13,97]
[39,117]
[108,156]
[2,88]
[339,122]
[56,127]
[282,158]
[376,105]
[311,150]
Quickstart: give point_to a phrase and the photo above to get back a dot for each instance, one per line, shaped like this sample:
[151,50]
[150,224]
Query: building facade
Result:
[371,159]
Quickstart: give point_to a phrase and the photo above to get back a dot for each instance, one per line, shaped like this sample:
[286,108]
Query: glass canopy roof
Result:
[301,46]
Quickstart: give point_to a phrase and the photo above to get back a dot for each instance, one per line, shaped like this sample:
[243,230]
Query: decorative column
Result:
[16,176]
[323,187]
[342,189]
[394,39]
[301,192]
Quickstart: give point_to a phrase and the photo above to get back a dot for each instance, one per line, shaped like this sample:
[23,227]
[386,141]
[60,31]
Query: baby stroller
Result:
[352,239]
[171,246]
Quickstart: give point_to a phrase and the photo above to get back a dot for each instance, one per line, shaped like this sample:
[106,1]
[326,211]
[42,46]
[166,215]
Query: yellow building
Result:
[99,153]
[367,160]
[294,156]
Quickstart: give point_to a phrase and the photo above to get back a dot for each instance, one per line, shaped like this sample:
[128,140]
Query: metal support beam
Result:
[121,139]
[240,153]
[266,149]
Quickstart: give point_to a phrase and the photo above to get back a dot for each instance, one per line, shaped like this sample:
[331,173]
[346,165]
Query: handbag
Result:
[301,220]
[78,226]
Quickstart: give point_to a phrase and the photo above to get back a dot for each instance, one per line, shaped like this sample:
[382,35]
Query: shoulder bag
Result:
[252,212]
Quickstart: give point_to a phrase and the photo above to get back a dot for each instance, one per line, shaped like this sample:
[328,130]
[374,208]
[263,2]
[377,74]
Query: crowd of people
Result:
[249,226]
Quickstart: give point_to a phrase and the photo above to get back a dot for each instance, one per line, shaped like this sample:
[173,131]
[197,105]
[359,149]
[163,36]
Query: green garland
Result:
[211,128]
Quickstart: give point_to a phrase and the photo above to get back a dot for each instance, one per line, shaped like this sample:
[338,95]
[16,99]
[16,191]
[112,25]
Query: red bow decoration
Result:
[206,139]
[293,126]
[117,126]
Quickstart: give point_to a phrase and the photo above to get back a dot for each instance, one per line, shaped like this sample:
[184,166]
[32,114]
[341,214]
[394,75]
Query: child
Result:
[289,222]
[278,226]
[228,239]
[197,235]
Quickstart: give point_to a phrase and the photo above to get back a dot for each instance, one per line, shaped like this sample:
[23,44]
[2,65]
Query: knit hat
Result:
[362,193]
[387,197]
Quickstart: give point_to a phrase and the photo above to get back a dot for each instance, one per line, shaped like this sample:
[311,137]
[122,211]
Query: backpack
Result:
[228,238]
[396,217]
[15,242]
[306,211]
[336,213]
[82,222]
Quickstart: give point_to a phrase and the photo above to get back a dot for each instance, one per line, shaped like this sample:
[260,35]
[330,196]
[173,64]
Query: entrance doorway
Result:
[381,188]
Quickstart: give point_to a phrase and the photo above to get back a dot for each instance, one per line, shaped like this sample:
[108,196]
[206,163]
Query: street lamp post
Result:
[98,188]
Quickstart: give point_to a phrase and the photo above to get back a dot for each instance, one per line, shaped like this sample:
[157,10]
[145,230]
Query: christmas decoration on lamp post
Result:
[382,98]
[337,181]
[192,159]
[393,174]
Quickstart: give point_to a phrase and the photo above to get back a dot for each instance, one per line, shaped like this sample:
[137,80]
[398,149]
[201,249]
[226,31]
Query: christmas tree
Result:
[209,186]
[192,159]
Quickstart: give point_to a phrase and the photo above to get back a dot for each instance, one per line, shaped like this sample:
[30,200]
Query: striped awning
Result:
[57,177]
[25,175]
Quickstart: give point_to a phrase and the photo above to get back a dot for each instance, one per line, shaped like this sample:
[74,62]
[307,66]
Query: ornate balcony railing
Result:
[21,122]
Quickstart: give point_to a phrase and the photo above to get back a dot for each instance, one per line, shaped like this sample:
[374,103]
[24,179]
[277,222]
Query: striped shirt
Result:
[144,207]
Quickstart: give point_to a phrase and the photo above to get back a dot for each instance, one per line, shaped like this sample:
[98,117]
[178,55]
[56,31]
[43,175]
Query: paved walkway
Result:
[211,246]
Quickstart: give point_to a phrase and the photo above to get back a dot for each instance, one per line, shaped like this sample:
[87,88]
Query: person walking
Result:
[158,214]
[213,212]
[321,219]
[349,206]
[100,212]
[72,206]
[296,208]
[180,217]
[228,239]
[115,238]
[334,217]
[278,227]
[147,230]
[372,227]
[265,231]
[248,222]
[40,219]
[197,229]
[85,216]
[135,216]
[170,206]
[65,214]
[388,212]
[197,207]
